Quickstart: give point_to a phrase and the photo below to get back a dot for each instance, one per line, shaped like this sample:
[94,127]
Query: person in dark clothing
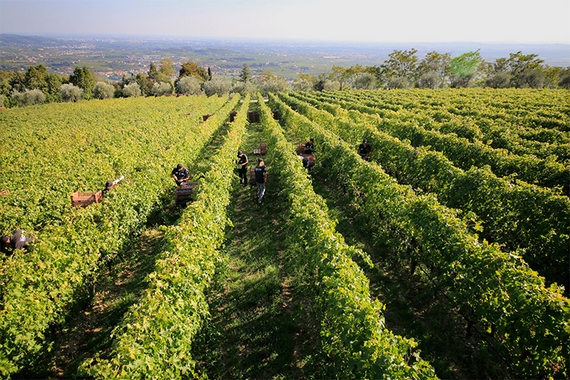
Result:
[310,146]
[364,150]
[307,162]
[15,241]
[109,185]
[180,174]
[242,163]
[260,179]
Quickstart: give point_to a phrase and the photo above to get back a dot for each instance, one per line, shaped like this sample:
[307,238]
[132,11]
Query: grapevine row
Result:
[489,287]
[544,114]
[519,216]
[354,343]
[39,287]
[464,153]
[156,334]
[473,116]
[49,152]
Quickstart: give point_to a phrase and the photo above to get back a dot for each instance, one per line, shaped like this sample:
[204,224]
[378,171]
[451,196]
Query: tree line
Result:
[403,69]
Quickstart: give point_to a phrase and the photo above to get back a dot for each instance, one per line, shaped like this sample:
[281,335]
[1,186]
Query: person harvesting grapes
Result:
[260,179]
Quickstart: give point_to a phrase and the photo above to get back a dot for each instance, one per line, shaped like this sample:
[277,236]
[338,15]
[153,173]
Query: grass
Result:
[254,331]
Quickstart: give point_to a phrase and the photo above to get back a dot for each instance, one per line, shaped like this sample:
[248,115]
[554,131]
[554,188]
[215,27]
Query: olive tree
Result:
[218,86]
[70,93]
[397,82]
[565,82]
[29,97]
[244,88]
[304,82]
[132,90]
[429,80]
[274,85]
[331,85]
[189,85]
[103,90]
[499,80]
[364,81]
[161,88]
[532,78]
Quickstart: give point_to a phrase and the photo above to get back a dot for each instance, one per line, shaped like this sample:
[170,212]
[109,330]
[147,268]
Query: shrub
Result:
[218,86]
[161,88]
[70,93]
[103,90]
[189,85]
[132,90]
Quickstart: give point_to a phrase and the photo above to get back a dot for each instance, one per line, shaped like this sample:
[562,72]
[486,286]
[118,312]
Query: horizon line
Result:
[275,39]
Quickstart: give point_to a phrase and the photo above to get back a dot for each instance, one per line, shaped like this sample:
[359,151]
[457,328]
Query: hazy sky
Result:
[544,21]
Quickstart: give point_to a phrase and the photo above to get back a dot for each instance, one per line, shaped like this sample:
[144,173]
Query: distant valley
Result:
[111,58]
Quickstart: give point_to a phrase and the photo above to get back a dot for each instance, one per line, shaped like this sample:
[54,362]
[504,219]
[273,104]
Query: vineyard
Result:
[445,254]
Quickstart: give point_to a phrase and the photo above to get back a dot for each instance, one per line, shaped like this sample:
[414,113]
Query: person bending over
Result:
[18,240]
[180,174]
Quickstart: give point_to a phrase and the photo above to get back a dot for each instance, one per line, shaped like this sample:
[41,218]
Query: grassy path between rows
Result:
[254,331]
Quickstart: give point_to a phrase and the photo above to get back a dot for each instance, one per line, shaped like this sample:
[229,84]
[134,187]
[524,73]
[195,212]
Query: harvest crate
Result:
[253,116]
[184,193]
[262,150]
[85,199]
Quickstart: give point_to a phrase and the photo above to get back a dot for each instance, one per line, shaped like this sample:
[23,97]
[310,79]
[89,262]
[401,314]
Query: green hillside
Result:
[444,255]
